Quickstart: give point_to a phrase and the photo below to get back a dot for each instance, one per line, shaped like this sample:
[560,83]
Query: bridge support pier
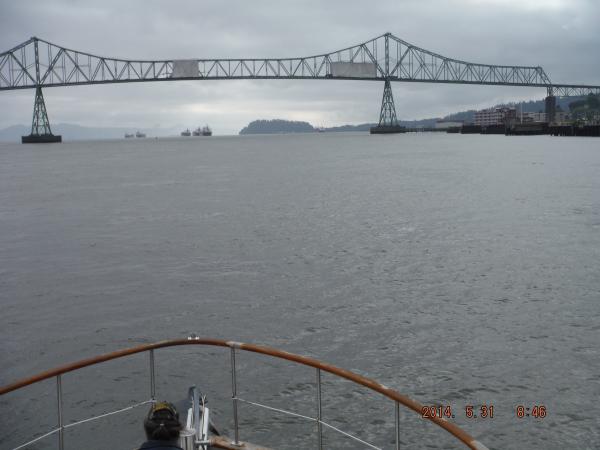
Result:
[550,108]
[40,125]
[388,123]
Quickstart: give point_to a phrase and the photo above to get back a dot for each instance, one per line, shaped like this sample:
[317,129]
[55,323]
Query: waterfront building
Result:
[494,116]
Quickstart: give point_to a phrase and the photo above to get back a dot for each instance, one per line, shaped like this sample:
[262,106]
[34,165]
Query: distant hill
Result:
[277,126]
[366,126]
[14,133]
[359,127]
[463,116]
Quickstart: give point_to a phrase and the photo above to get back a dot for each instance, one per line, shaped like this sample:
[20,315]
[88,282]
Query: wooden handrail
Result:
[453,429]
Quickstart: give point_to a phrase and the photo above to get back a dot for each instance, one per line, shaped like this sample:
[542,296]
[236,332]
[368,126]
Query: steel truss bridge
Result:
[37,63]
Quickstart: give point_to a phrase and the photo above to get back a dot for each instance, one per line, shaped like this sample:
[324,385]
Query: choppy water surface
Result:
[460,270]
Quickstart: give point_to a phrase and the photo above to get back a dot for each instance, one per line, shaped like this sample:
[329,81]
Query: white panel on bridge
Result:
[354,70]
[185,68]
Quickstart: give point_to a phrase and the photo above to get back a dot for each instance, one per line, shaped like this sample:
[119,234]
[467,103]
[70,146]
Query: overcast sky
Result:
[562,36]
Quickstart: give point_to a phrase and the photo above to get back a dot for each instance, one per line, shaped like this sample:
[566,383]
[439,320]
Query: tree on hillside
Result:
[577,104]
[593,101]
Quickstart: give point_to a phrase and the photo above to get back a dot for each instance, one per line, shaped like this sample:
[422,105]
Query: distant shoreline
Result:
[72,132]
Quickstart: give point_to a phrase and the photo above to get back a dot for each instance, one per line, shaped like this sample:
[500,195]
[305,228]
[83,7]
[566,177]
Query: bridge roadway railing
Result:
[37,62]
[390,394]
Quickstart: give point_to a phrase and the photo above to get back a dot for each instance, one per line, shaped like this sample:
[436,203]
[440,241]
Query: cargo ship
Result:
[139,134]
[204,131]
[186,133]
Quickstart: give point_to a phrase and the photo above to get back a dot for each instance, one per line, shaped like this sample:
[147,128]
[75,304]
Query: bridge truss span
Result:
[410,63]
[36,64]
[39,63]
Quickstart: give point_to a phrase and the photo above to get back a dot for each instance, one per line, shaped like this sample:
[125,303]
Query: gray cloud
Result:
[560,35]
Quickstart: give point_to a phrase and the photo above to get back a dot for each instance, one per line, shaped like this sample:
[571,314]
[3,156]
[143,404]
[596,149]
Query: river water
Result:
[459,270]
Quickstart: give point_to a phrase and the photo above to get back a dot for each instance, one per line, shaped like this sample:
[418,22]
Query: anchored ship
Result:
[204,131]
